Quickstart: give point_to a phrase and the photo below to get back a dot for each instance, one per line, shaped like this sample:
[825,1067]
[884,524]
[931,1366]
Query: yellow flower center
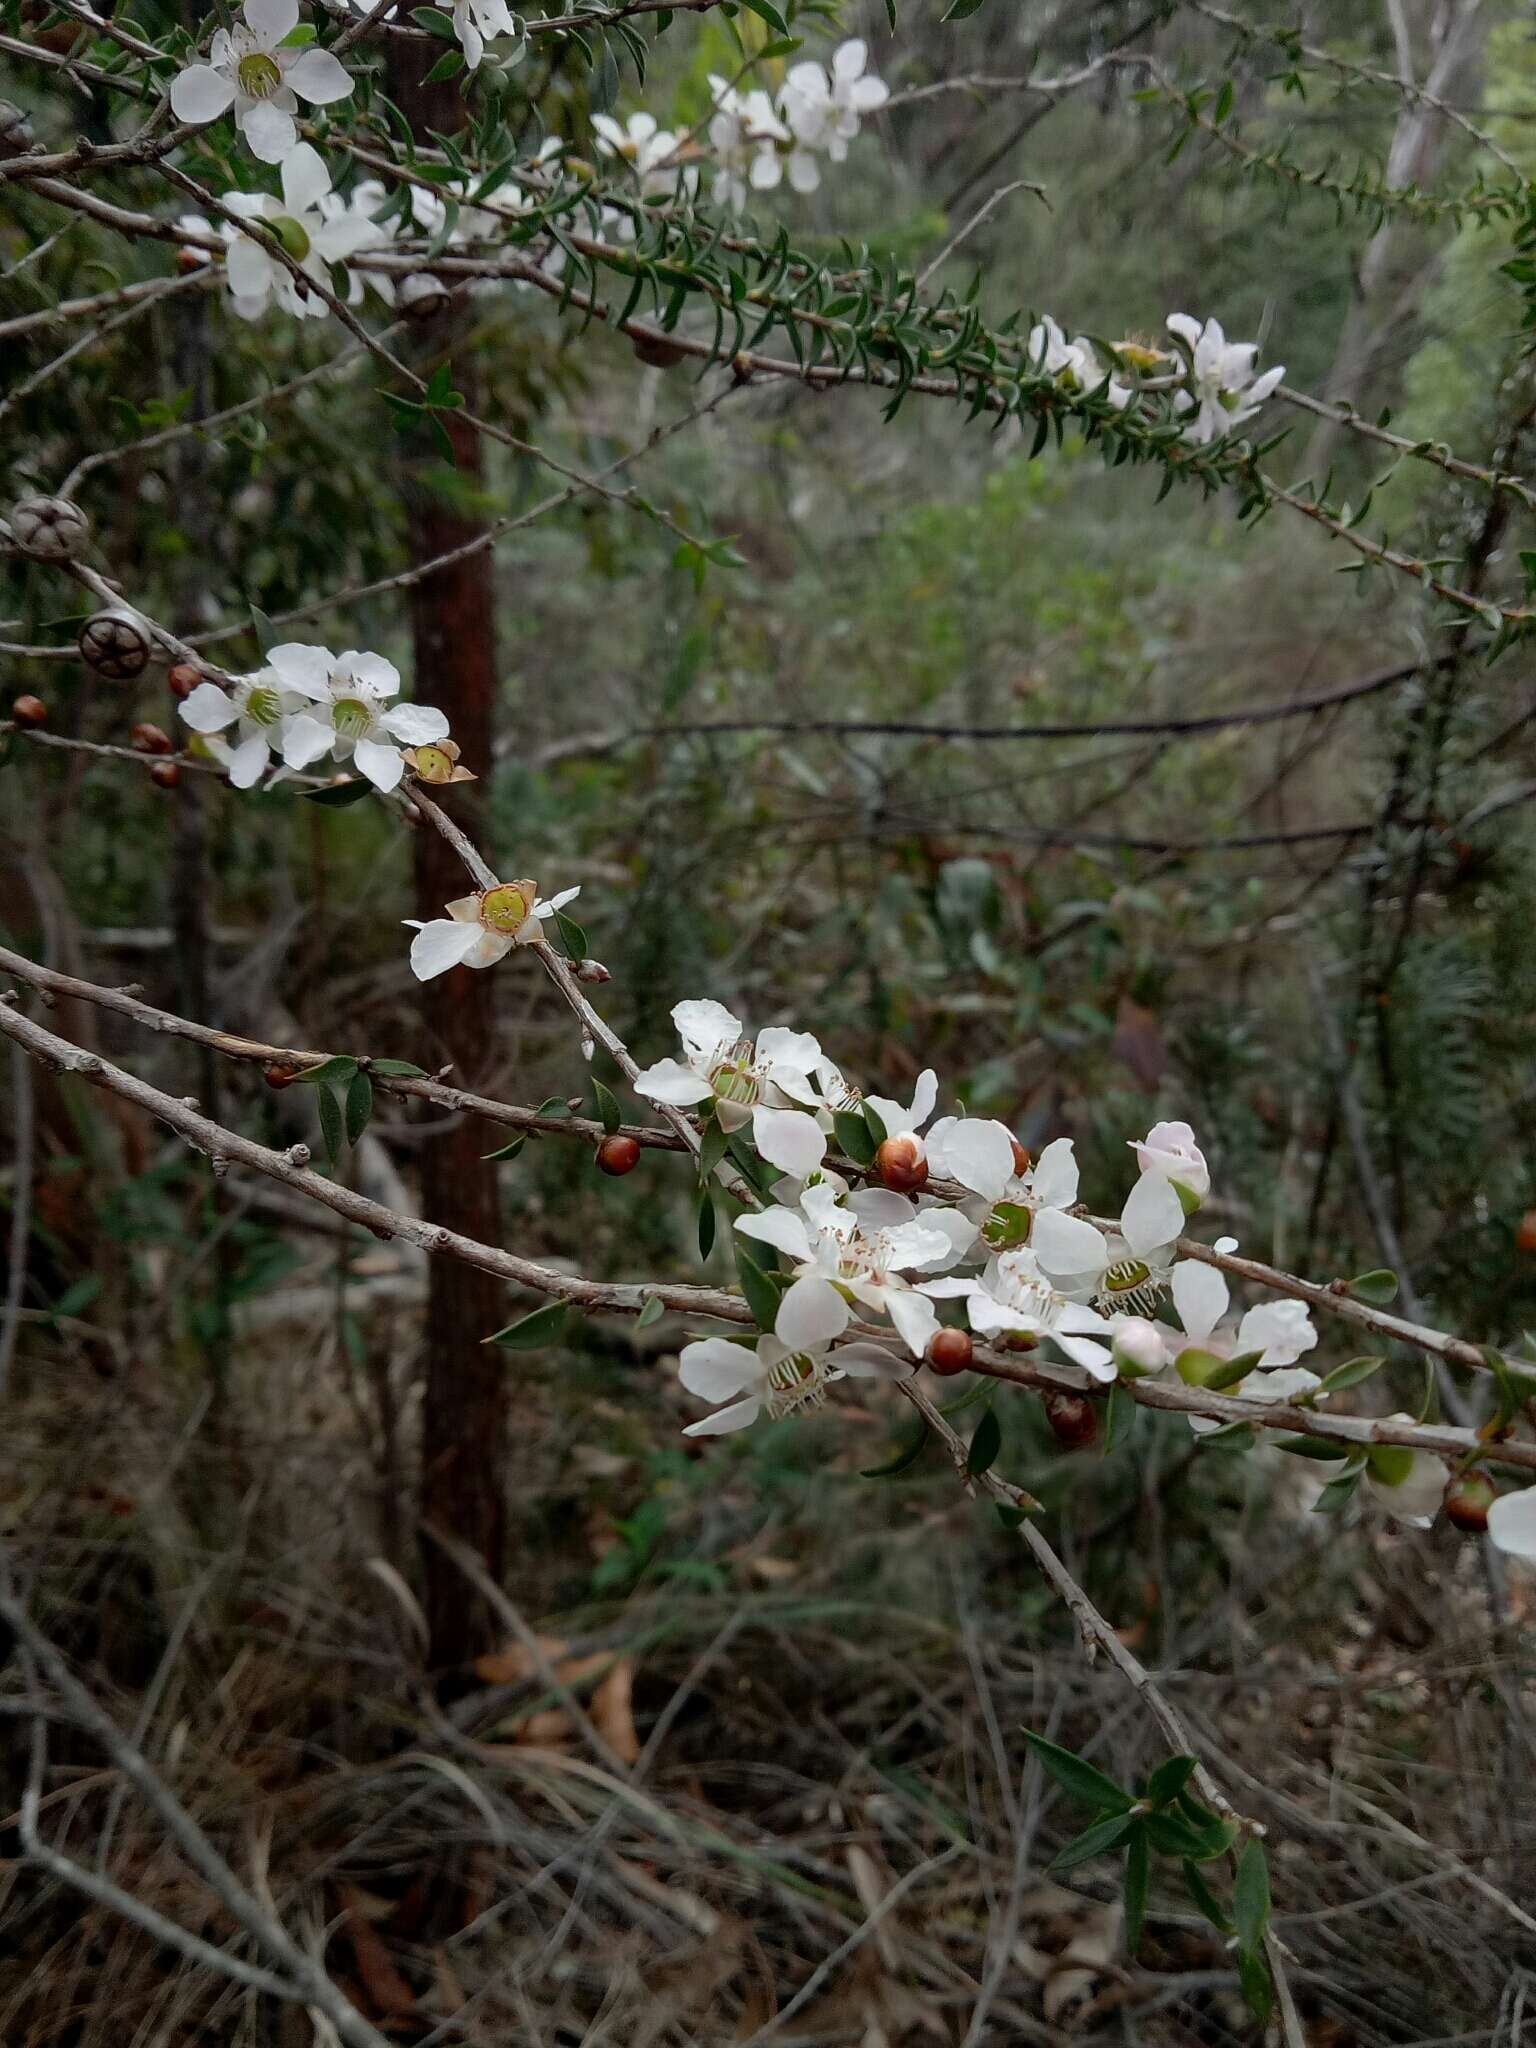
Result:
[261,705]
[504,909]
[292,234]
[433,765]
[353,718]
[258,75]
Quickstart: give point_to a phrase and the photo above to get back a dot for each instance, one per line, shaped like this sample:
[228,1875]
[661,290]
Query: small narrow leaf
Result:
[341,1068]
[1350,1374]
[1097,1840]
[1250,1897]
[607,1108]
[510,1150]
[1375,1288]
[985,1445]
[904,1459]
[762,1297]
[853,1136]
[391,1070]
[359,1105]
[1082,1781]
[572,937]
[331,1133]
[651,1313]
[534,1331]
[1169,1780]
[1138,1872]
[706,1223]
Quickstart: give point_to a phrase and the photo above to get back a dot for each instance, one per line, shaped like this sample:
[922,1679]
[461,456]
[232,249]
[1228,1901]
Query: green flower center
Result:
[353,718]
[261,705]
[504,909]
[1007,1227]
[258,75]
[733,1079]
[292,234]
[1126,1277]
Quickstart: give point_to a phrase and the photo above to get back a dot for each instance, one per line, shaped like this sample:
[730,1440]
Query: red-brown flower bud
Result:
[148,739]
[901,1166]
[183,679]
[618,1155]
[30,711]
[1074,1420]
[166,773]
[277,1075]
[950,1351]
[1468,1498]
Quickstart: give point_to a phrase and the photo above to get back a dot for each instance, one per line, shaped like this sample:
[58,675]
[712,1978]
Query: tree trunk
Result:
[464,1419]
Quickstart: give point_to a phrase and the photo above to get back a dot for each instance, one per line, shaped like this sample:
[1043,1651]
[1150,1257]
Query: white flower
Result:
[476,22]
[645,147]
[768,1085]
[258,706]
[744,133]
[1053,355]
[1409,1484]
[249,69]
[1140,1346]
[1512,1523]
[1170,1149]
[1223,392]
[1013,1299]
[1125,1270]
[1278,1331]
[772,1378]
[856,1251]
[313,229]
[976,1151]
[347,713]
[480,930]
[824,112]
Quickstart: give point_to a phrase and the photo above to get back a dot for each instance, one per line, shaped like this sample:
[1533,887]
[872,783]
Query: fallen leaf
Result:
[611,1710]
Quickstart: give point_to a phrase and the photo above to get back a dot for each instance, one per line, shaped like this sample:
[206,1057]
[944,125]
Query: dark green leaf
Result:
[534,1331]
[1337,1494]
[341,1068]
[510,1150]
[1376,1288]
[853,1138]
[960,10]
[433,20]
[607,1108]
[1082,1781]
[651,1313]
[1311,1447]
[1206,1900]
[449,65]
[706,1223]
[1250,1897]
[762,1297]
[713,1143]
[572,937]
[904,1459]
[986,1442]
[1350,1374]
[1097,1840]
[1169,1780]
[766,11]
[359,1105]
[331,1132]
[390,1070]
[1253,1974]
[336,795]
[266,633]
[1119,1412]
[1138,1871]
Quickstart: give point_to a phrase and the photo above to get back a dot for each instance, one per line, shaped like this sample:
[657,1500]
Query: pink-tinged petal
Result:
[201,94]
[382,765]
[442,944]
[247,761]
[306,740]
[670,1081]
[1512,1523]
[303,668]
[718,1371]
[789,1139]
[781,1228]
[305,179]
[415,725]
[811,1313]
[705,1027]
[873,1362]
[914,1317]
[270,132]
[208,709]
[272,20]
[1067,1244]
[1153,1216]
[319,77]
[741,1415]
[1200,1295]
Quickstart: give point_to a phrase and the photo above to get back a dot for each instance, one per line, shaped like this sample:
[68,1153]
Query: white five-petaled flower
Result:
[347,711]
[824,109]
[1074,364]
[646,148]
[1278,1331]
[745,134]
[857,1251]
[251,69]
[313,228]
[768,1085]
[476,22]
[1170,1149]
[1013,1299]
[258,706]
[1223,392]
[480,930]
[770,1378]
[974,1150]
[1127,1269]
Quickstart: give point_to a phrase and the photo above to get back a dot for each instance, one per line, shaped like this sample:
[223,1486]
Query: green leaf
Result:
[986,1442]
[534,1331]
[651,1313]
[1338,1493]
[1234,1370]
[1232,1436]
[509,1150]
[341,1068]
[1375,1288]
[960,10]
[706,1223]
[874,1124]
[331,1132]
[1250,1897]
[1138,1872]
[762,1297]
[1097,1840]
[1253,1974]
[1311,1447]
[713,1145]
[433,20]
[359,1105]
[766,11]
[1206,1900]
[572,937]
[904,1459]
[1169,1780]
[392,1070]
[1119,1413]
[1350,1374]
[853,1138]
[336,795]
[1079,1780]
[266,633]
[607,1108]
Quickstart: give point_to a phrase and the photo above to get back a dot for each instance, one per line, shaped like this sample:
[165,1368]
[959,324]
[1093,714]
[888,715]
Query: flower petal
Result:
[914,1316]
[306,739]
[1201,1297]
[415,725]
[303,667]
[248,760]
[319,77]
[249,270]
[789,1139]
[718,1371]
[441,944]
[201,94]
[670,1081]
[272,20]
[811,1313]
[382,765]
[873,1362]
[741,1414]
[1153,1216]
[974,1150]
[1066,1244]
[705,1026]
[271,134]
[208,709]
[781,1228]
[304,179]
[1512,1523]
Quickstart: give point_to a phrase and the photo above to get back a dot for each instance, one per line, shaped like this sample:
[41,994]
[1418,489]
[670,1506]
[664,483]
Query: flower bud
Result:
[1073,1418]
[1525,1236]
[1021,1157]
[656,352]
[1468,1498]
[30,711]
[950,1351]
[166,773]
[1138,1348]
[183,679]
[50,529]
[420,296]
[115,644]
[901,1165]
[618,1155]
[188,260]
[277,1076]
[591,970]
[149,739]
